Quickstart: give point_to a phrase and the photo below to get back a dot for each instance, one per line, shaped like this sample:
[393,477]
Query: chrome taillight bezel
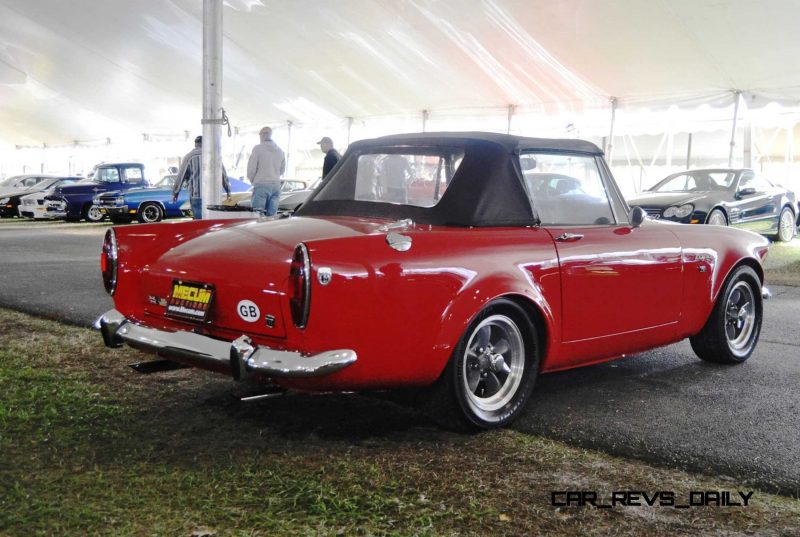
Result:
[300,268]
[109,262]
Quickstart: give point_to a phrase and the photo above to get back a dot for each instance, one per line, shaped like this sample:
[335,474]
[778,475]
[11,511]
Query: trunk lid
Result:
[248,266]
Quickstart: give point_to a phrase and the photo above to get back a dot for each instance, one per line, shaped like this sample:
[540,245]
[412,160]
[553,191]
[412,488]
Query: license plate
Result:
[190,300]
[104,211]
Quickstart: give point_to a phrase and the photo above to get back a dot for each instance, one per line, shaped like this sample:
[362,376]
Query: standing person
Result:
[191,170]
[264,169]
[331,155]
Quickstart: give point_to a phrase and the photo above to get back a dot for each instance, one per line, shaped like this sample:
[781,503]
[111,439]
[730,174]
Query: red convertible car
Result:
[510,257]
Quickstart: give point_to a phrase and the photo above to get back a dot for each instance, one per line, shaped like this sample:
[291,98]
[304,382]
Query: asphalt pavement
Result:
[663,406]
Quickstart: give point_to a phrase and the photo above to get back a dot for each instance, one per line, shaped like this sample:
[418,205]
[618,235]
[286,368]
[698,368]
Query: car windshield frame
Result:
[731,182]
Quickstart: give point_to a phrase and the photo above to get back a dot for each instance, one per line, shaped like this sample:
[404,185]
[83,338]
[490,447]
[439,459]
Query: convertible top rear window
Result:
[416,176]
[461,179]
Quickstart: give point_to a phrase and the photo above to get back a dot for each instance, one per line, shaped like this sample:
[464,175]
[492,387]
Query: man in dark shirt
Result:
[331,155]
[191,172]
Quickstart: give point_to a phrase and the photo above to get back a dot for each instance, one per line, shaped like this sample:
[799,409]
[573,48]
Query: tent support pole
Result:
[737,97]
[747,154]
[289,126]
[511,110]
[689,152]
[609,150]
[789,157]
[349,128]
[425,115]
[212,101]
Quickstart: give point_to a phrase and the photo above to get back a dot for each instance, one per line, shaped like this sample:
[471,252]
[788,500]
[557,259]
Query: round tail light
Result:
[300,286]
[109,262]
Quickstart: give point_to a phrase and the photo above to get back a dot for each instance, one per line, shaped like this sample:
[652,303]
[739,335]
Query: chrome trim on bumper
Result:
[241,357]
[766,294]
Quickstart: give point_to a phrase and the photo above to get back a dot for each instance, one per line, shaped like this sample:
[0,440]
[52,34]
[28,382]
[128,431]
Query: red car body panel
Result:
[390,299]
[617,290]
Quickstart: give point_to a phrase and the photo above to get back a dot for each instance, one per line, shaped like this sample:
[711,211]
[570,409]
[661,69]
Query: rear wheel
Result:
[92,213]
[786,225]
[717,218]
[150,213]
[731,332]
[491,372]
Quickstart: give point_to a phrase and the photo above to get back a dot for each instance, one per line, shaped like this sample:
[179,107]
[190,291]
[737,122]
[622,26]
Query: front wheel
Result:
[731,332]
[150,213]
[786,225]
[92,213]
[491,372]
[717,218]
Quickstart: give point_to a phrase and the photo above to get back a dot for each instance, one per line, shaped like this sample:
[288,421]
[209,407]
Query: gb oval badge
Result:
[248,311]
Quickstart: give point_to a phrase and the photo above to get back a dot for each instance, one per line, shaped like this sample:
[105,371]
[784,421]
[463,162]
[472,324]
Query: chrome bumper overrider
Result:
[242,357]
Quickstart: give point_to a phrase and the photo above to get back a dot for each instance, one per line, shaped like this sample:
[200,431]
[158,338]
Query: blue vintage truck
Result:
[76,202]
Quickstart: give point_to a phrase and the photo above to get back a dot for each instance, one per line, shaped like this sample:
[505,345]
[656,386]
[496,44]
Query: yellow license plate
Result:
[190,300]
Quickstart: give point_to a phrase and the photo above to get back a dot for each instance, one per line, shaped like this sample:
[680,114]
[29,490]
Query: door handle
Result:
[569,237]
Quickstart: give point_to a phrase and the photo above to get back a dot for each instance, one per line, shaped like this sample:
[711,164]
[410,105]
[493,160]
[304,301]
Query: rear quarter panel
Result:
[404,312]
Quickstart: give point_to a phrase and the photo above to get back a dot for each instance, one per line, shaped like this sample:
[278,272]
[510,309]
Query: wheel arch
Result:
[720,208]
[156,202]
[462,312]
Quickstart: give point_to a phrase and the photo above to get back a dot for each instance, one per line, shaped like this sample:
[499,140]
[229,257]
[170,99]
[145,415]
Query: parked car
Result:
[148,204]
[11,203]
[467,295]
[18,183]
[294,199]
[243,200]
[34,206]
[74,202]
[723,197]
[151,204]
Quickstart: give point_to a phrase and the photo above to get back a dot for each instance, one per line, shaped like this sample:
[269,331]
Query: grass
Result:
[783,263]
[91,448]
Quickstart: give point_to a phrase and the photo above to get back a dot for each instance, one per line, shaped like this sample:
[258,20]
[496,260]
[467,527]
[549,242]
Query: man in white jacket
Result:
[264,169]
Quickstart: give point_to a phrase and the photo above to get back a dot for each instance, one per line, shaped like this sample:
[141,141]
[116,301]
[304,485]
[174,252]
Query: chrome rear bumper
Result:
[241,358]
[766,294]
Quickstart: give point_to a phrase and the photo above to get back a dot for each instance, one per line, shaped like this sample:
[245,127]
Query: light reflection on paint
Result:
[651,256]
[465,276]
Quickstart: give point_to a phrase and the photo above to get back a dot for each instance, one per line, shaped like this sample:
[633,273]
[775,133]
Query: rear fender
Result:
[139,246]
[469,303]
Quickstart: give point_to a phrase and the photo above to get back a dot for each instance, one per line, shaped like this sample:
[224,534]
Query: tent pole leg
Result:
[212,101]
[737,97]
[609,149]
[689,152]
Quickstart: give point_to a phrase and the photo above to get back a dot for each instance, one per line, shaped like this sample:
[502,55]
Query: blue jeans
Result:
[266,197]
[197,208]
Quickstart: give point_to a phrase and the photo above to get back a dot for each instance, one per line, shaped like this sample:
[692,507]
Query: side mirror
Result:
[748,191]
[636,216]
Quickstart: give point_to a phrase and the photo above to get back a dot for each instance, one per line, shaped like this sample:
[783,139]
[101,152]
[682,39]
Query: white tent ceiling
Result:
[90,69]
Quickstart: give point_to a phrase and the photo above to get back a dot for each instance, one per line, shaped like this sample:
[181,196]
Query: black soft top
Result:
[487,189]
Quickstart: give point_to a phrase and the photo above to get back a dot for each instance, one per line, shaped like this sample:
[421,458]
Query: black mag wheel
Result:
[731,332]
[786,225]
[491,372]
[150,213]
